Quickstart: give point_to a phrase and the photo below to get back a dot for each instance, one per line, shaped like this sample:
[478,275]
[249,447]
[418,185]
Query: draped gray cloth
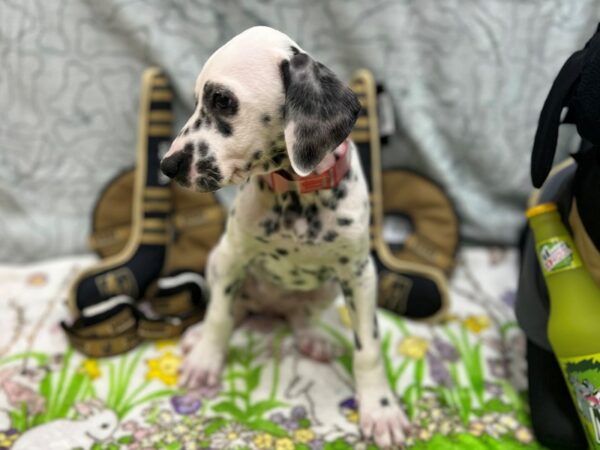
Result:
[467,78]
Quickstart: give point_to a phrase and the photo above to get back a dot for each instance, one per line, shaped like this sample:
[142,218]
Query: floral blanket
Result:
[462,382]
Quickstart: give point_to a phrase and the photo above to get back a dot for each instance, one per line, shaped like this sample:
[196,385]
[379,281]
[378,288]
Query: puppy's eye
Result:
[221,101]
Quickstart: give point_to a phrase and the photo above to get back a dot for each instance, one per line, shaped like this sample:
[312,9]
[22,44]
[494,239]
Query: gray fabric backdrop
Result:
[468,78]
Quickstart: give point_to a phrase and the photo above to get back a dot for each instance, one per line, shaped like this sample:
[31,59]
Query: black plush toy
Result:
[575,187]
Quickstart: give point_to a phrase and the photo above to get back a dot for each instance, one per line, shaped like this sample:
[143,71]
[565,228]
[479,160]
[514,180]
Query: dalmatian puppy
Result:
[265,106]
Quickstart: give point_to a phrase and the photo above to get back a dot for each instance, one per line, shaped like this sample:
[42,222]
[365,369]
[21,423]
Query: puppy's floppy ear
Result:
[319,111]
[544,144]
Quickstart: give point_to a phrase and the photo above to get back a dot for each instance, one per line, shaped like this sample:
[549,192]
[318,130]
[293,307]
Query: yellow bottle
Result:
[574,322]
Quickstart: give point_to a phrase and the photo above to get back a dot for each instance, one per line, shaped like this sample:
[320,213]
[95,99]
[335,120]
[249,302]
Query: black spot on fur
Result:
[265,119]
[278,158]
[197,123]
[344,221]
[292,210]
[343,260]
[330,236]
[375,327]
[295,204]
[340,191]
[219,100]
[323,274]
[209,175]
[384,401]
[229,289]
[271,226]
[248,166]
[314,228]
[328,199]
[289,218]
[361,267]
[357,343]
[295,50]
[346,289]
[351,304]
[281,251]
[261,184]
[202,149]
[257,154]
[277,209]
[266,166]
[311,211]
[224,127]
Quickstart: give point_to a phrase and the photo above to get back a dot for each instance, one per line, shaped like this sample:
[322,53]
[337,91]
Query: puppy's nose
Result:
[170,165]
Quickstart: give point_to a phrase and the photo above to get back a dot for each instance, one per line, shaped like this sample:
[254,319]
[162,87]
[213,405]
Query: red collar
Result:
[283,181]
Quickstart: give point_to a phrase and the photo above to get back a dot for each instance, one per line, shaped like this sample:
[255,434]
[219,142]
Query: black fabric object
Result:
[147,262]
[576,87]
[553,414]
[586,189]
[544,145]
[424,299]
[586,98]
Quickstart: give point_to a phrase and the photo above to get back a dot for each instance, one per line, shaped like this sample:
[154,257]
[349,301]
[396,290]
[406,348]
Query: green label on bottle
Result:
[556,255]
[583,377]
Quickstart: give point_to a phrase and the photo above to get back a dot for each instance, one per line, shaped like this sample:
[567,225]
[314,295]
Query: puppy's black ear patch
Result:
[319,111]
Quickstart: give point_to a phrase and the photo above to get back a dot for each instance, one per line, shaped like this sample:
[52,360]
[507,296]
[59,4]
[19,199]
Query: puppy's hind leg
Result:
[310,340]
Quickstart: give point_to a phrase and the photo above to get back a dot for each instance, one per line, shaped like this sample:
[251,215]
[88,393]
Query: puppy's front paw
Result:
[202,366]
[382,419]
[190,338]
